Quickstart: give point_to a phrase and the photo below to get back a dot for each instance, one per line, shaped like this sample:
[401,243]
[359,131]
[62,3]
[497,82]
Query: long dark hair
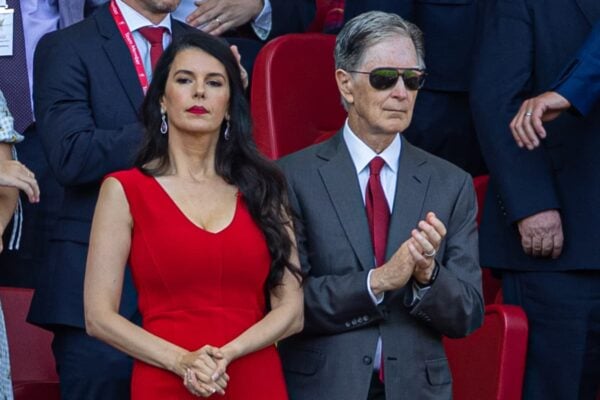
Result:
[237,160]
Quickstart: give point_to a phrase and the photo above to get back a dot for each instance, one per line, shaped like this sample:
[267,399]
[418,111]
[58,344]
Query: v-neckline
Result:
[191,221]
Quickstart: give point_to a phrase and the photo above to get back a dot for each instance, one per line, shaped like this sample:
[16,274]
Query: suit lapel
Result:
[119,56]
[339,178]
[591,10]
[411,189]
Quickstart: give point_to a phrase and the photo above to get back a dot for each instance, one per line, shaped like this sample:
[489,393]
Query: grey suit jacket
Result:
[333,357]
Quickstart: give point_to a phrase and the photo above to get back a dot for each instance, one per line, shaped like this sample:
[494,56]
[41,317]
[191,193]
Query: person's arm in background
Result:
[503,76]
[269,18]
[577,87]
[78,151]
[13,174]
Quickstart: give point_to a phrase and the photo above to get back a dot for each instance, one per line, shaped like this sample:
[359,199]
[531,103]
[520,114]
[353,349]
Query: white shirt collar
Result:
[135,20]
[362,154]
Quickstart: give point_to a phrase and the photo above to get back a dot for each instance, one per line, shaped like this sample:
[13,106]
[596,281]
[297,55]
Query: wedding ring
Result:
[218,21]
[528,113]
[432,253]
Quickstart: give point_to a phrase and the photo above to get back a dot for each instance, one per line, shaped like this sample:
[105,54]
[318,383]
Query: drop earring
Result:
[227,134]
[164,127]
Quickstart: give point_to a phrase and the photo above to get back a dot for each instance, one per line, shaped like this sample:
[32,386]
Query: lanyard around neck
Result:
[130,42]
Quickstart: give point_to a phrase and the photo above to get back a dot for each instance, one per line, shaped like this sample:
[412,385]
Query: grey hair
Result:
[368,29]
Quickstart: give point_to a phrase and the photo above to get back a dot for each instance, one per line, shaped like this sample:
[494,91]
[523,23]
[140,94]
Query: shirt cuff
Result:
[263,22]
[376,299]
[418,293]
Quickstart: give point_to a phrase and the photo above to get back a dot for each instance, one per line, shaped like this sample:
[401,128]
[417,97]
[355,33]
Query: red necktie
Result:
[154,35]
[378,212]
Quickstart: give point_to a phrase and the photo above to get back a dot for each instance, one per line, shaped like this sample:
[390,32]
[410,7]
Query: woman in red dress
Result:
[204,223]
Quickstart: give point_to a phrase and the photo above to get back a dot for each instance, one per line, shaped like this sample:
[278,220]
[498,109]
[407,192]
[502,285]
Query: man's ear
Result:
[345,85]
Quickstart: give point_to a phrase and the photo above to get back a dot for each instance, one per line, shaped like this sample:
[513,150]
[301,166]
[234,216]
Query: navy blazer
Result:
[86,97]
[524,47]
[449,28]
[291,16]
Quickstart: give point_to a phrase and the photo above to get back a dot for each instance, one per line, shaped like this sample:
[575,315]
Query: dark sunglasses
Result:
[387,77]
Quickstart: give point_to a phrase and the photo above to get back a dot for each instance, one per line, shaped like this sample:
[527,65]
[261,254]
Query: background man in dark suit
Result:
[442,122]
[376,333]
[540,220]
[87,94]
[32,19]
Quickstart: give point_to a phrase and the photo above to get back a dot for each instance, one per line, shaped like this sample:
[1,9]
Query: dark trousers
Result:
[563,310]
[90,369]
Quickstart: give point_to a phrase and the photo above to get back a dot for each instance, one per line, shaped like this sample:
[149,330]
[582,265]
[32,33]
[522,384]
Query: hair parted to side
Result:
[366,30]
[237,160]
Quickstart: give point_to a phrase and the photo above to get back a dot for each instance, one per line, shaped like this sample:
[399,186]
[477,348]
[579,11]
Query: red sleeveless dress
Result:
[195,288]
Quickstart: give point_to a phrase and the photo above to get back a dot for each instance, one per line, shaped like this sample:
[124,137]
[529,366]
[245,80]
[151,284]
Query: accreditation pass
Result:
[6,29]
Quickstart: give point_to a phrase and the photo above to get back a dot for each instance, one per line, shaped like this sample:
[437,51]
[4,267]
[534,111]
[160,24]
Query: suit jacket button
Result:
[365,318]
[354,321]
[348,324]
[367,360]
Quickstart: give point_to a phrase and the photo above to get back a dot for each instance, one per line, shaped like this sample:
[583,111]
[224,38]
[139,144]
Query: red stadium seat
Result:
[490,363]
[32,363]
[294,97]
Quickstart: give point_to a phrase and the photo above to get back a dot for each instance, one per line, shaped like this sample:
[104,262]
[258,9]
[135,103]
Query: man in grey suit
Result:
[375,333]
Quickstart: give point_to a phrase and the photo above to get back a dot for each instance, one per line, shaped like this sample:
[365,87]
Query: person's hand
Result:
[218,16]
[424,245]
[15,174]
[527,127]
[541,234]
[243,72]
[204,373]
[395,272]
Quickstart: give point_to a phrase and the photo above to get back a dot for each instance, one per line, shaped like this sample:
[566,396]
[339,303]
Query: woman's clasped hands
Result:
[204,371]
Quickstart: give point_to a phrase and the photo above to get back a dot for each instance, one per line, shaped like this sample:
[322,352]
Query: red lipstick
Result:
[198,110]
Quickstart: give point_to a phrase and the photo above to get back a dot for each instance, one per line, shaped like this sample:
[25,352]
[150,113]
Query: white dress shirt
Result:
[39,17]
[361,156]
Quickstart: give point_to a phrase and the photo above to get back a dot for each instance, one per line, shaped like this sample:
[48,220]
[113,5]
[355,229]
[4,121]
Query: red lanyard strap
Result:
[130,42]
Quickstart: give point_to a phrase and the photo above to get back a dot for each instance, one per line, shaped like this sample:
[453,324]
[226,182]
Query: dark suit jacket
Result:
[333,357]
[580,83]
[449,28]
[525,45]
[87,97]
[291,16]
